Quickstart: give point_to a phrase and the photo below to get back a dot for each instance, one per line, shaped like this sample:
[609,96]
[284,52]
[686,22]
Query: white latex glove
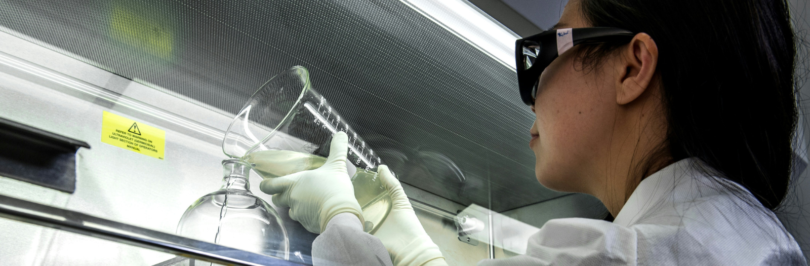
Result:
[401,232]
[315,196]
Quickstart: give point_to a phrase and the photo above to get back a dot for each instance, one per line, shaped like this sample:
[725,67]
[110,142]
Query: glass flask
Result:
[287,127]
[232,216]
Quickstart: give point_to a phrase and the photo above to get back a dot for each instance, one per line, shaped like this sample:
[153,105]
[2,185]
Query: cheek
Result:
[570,121]
[564,107]
[561,124]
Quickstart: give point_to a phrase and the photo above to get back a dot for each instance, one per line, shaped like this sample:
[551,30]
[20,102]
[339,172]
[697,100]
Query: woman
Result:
[677,115]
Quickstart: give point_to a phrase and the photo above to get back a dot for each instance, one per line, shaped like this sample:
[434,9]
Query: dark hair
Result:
[727,73]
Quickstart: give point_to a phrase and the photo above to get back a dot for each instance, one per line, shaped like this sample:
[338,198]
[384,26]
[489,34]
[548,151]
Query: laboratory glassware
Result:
[232,216]
[286,127]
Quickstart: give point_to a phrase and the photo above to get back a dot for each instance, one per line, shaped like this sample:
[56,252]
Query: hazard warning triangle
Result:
[134,129]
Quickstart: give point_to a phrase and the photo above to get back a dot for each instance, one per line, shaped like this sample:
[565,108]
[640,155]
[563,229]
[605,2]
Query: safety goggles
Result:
[534,53]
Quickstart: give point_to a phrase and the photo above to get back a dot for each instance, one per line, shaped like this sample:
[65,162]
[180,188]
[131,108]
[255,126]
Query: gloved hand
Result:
[315,196]
[401,233]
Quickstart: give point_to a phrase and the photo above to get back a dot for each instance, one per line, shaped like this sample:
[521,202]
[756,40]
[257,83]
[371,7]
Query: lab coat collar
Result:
[653,190]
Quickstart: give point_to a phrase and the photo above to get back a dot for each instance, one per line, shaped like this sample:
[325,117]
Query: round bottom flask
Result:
[232,216]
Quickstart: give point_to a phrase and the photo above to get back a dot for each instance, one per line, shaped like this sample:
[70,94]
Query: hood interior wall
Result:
[404,83]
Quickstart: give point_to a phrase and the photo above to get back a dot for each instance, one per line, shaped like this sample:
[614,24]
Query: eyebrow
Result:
[558,25]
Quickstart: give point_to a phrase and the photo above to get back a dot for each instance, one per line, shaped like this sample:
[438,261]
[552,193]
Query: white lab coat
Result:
[676,216]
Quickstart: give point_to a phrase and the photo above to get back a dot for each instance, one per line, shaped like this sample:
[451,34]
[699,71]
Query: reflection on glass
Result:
[507,233]
[286,127]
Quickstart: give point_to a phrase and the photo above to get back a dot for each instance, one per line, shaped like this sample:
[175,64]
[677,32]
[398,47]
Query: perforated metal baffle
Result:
[406,84]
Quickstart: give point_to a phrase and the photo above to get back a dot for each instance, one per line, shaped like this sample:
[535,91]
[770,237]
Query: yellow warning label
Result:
[131,135]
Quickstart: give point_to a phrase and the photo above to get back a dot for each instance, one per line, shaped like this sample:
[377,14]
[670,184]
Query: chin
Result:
[550,180]
[551,184]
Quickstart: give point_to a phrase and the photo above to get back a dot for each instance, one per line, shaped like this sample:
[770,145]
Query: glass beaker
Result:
[232,216]
[287,127]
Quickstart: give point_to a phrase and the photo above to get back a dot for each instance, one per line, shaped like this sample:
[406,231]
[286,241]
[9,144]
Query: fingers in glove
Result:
[311,226]
[293,214]
[387,178]
[282,200]
[280,188]
[338,150]
[278,185]
[394,187]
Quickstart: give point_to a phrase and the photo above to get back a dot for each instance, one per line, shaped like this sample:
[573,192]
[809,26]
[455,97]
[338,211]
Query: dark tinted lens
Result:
[531,50]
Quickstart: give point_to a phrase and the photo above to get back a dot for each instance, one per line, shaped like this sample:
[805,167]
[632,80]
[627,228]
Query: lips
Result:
[534,138]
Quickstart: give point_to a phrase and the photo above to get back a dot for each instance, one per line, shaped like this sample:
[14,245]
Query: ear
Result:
[636,73]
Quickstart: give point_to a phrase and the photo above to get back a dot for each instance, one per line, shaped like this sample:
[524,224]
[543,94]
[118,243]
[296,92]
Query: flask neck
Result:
[235,175]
